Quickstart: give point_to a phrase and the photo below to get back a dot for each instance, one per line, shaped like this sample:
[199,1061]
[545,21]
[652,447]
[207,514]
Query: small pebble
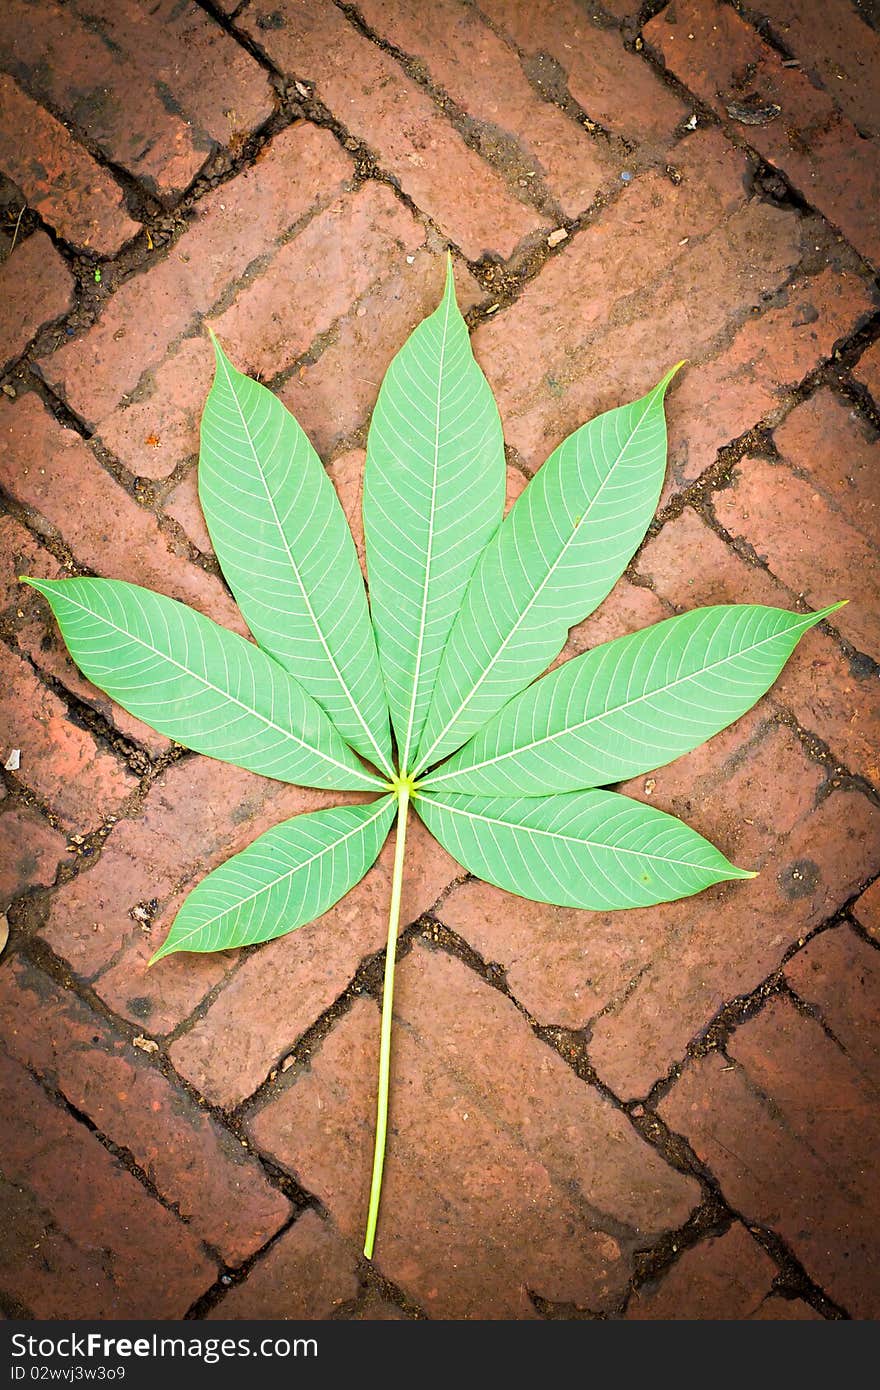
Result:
[556,237]
[13,762]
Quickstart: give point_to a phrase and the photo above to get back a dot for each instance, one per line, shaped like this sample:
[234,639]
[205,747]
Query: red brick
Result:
[614,87]
[54,471]
[790,1131]
[196,815]
[370,93]
[201,1169]
[297,977]
[59,178]
[721,58]
[867,370]
[482,74]
[65,765]
[867,910]
[839,974]
[21,554]
[724,1277]
[301,171]
[182,503]
[505,1172]
[689,565]
[333,395]
[747,382]
[275,317]
[81,1237]
[32,851]
[308,1273]
[35,288]
[780,1309]
[826,441]
[554,358]
[157,90]
[704,955]
[806,543]
[837,50]
[568,966]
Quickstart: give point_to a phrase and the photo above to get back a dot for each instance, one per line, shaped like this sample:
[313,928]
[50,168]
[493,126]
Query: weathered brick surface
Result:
[32,851]
[838,974]
[531,138]
[867,370]
[611,85]
[308,1273]
[748,381]
[712,953]
[726,1276]
[688,565]
[794,1145]
[274,317]
[373,97]
[557,357]
[230,228]
[156,90]
[58,177]
[826,441]
[837,50]
[721,58]
[71,773]
[35,288]
[218,1189]
[300,975]
[867,910]
[49,468]
[493,1175]
[81,1238]
[807,543]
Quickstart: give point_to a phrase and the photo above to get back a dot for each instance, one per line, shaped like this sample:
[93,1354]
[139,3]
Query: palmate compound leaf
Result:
[565,542]
[433,495]
[287,877]
[193,681]
[466,614]
[630,705]
[286,552]
[588,849]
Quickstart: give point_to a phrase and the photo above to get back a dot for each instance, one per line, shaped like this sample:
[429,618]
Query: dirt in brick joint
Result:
[96,279]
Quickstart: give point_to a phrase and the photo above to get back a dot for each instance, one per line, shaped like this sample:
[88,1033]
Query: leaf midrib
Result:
[383,761]
[426,759]
[614,709]
[423,617]
[227,695]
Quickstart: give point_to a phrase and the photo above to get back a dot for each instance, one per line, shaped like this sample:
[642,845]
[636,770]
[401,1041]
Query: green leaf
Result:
[284,546]
[433,495]
[565,542]
[630,705]
[590,849]
[205,687]
[287,877]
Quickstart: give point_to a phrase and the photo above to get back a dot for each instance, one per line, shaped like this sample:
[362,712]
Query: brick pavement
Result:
[659,1114]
